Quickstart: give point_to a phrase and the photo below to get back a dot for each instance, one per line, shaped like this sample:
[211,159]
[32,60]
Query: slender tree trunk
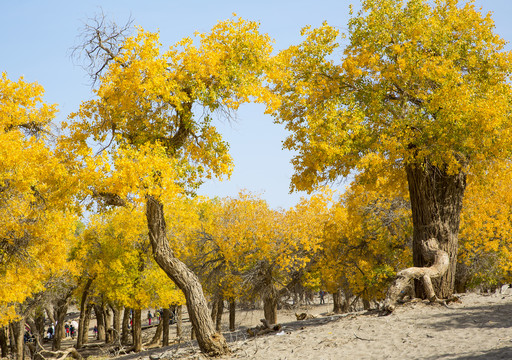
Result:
[232,314]
[100,322]
[125,332]
[158,334]
[179,321]
[220,311]
[137,330]
[3,342]
[166,317]
[210,341]
[12,338]
[60,314]
[436,201]
[83,308]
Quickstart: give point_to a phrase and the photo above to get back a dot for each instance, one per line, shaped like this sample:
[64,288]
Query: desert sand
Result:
[479,327]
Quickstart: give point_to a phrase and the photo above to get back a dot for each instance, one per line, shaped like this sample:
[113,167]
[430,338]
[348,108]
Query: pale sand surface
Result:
[480,327]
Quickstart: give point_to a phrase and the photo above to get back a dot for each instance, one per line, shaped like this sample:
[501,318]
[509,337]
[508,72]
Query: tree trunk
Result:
[270,306]
[179,321]
[117,322]
[125,332]
[210,341]
[100,322]
[232,314]
[137,330]
[166,317]
[3,342]
[87,321]
[60,315]
[83,309]
[337,298]
[17,332]
[436,202]
[158,334]
[107,316]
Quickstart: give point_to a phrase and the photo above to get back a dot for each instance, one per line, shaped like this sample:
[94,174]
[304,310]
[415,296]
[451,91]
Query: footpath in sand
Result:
[480,327]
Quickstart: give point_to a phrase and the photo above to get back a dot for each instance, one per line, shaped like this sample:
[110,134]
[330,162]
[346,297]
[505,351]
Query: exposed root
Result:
[440,264]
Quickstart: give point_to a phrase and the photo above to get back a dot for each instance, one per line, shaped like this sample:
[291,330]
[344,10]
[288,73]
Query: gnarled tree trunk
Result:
[436,202]
[270,300]
[137,330]
[166,317]
[232,314]
[179,321]
[100,322]
[83,312]
[125,332]
[209,340]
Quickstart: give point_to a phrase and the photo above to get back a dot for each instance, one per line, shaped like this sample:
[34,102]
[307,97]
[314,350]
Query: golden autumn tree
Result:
[153,113]
[422,89]
[36,208]
[486,247]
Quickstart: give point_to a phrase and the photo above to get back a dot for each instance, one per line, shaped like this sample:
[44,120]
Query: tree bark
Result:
[337,298]
[100,322]
[87,321]
[210,341]
[83,310]
[60,315]
[158,334]
[125,332]
[232,314]
[17,330]
[270,306]
[166,317]
[436,202]
[3,342]
[137,330]
[179,321]
[117,322]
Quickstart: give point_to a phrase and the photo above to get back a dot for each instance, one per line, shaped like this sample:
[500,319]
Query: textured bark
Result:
[17,331]
[100,322]
[125,332]
[179,321]
[270,306]
[61,309]
[137,330]
[87,320]
[116,322]
[158,334]
[436,202]
[232,314]
[210,341]
[3,341]
[337,298]
[166,317]
[83,308]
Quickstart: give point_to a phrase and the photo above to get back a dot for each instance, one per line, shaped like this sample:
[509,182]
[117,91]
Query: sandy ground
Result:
[480,327]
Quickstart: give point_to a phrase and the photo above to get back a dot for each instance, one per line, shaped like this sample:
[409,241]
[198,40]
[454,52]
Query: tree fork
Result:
[210,341]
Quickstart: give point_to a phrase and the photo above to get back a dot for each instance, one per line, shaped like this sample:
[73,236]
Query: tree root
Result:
[440,264]
[46,354]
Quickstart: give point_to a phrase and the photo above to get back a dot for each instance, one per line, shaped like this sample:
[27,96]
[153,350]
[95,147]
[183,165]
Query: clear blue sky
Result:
[36,37]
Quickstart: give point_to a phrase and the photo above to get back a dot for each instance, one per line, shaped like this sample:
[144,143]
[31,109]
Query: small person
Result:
[149,317]
[66,327]
[322,294]
[95,330]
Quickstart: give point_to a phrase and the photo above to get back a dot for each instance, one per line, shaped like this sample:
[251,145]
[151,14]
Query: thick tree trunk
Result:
[137,330]
[116,323]
[83,310]
[179,321]
[87,321]
[436,202]
[210,341]
[17,331]
[337,298]
[232,314]
[125,332]
[100,322]
[166,318]
[270,305]
[60,315]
